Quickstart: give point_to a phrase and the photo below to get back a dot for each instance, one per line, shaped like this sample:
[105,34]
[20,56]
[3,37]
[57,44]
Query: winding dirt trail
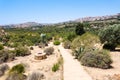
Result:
[72,68]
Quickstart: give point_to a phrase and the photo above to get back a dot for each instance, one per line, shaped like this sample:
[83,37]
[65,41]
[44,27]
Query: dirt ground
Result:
[105,74]
[43,66]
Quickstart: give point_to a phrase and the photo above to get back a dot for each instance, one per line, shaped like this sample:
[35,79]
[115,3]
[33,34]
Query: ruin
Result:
[40,56]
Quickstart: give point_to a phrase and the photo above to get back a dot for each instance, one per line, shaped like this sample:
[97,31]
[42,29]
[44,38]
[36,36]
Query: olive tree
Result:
[79,30]
[110,36]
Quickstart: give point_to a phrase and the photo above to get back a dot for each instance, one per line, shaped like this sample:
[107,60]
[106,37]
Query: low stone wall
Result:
[40,56]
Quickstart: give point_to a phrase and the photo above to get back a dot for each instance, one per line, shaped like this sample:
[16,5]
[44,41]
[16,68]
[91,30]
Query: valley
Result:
[87,50]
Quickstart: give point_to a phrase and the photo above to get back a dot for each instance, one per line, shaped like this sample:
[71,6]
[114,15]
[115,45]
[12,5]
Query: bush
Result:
[67,44]
[55,67]
[42,45]
[87,39]
[99,59]
[1,47]
[22,51]
[71,36]
[79,53]
[49,50]
[56,42]
[31,48]
[48,37]
[16,73]
[3,68]
[35,76]
[110,36]
[16,76]
[6,55]
[19,68]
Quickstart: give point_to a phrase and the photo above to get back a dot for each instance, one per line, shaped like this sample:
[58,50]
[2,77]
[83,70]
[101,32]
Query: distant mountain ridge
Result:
[98,18]
[85,19]
[22,25]
[28,24]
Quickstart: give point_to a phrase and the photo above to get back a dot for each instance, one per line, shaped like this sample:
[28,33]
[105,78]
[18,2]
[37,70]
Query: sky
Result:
[54,11]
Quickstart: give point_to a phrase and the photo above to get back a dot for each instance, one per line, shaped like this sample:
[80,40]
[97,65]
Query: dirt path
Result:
[72,68]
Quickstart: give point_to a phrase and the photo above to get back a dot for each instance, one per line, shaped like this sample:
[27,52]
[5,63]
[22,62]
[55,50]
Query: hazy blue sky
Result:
[51,11]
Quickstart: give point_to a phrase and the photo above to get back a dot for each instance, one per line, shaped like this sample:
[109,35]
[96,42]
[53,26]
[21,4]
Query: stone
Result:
[40,56]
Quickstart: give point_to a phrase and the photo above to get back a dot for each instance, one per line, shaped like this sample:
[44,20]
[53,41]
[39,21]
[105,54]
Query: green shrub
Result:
[16,76]
[49,50]
[48,37]
[16,73]
[1,47]
[19,68]
[99,59]
[110,36]
[87,39]
[67,44]
[22,51]
[56,42]
[79,53]
[35,76]
[55,67]
[71,36]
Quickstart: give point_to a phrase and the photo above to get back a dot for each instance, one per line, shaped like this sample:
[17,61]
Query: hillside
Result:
[22,25]
[98,19]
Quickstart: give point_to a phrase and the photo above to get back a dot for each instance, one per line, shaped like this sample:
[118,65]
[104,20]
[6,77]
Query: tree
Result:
[79,30]
[110,36]
[43,37]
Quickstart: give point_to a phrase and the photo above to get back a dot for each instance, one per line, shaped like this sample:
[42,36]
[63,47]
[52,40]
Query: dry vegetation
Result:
[43,67]
[86,44]
[106,74]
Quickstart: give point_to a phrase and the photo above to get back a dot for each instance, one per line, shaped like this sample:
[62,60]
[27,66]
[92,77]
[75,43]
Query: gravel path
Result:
[72,68]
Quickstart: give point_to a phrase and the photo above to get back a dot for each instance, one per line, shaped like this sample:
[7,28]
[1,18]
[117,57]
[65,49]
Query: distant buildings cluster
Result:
[107,17]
